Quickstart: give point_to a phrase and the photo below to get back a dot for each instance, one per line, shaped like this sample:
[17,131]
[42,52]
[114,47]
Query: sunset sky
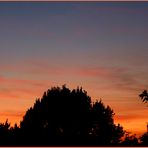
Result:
[101,46]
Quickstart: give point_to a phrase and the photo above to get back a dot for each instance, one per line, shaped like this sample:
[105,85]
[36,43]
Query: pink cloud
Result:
[111,73]
[118,78]
[17,81]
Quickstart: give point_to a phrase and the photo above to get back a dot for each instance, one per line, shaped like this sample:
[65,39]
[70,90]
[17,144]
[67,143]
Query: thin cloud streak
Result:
[119,78]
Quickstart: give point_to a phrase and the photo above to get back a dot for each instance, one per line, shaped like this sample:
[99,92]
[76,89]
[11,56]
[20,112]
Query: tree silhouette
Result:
[130,140]
[144,139]
[105,132]
[4,133]
[69,118]
[144,96]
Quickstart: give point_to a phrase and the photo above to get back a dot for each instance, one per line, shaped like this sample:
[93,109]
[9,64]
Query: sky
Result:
[101,46]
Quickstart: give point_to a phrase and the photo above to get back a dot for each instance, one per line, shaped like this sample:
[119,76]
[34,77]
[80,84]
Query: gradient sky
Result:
[101,46]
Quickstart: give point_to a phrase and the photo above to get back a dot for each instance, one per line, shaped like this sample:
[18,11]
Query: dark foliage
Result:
[64,117]
[4,133]
[144,96]
[130,140]
[67,118]
[144,139]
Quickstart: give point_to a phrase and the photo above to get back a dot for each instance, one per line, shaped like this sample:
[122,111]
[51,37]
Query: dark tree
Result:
[104,130]
[5,133]
[68,118]
[59,115]
[130,140]
[144,96]
[144,139]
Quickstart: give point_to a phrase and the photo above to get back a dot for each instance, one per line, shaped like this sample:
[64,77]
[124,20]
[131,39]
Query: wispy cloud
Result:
[117,77]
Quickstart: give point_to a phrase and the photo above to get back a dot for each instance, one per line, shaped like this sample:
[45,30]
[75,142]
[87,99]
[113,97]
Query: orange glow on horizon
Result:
[131,120]
[118,96]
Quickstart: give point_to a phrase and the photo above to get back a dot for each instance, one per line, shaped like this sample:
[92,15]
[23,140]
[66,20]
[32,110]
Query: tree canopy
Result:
[69,117]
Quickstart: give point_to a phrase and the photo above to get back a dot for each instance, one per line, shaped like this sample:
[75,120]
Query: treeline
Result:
[64,117]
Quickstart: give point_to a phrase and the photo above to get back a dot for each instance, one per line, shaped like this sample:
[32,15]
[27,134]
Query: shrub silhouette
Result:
[130,140]
[64,117]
